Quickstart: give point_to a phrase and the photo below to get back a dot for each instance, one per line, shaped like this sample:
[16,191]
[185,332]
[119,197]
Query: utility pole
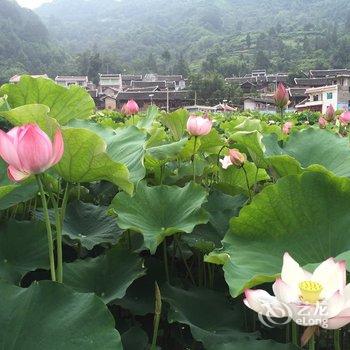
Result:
[195,98]
[167,100]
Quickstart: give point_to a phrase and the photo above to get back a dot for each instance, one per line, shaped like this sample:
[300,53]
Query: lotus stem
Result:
[193,158]
[157,314]
[312,343]
[247,182]
[165,257]
[294,334]
[58,222]
[337,339]
[48,228]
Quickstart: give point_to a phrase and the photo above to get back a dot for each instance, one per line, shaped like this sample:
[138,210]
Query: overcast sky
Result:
[32,3]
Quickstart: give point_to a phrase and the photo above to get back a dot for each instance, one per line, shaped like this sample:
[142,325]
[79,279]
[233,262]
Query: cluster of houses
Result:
[315,91]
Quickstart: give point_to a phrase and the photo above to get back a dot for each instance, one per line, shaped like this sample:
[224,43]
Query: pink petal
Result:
[292,274]
[15,174]
[57,148]
[331,276]
[263,303]
[337,322]
[35,150]
[226,162]
[284,292]
[8,151]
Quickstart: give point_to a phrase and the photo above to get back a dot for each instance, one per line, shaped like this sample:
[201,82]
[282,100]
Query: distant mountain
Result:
[24,43]
[286,34]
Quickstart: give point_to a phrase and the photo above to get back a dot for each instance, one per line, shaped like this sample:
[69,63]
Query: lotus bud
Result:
[130,108]
[281,97]
[330,113]
[28,150]
[199,126]
[345,118]
[287,127]
[237,158]
[322,122]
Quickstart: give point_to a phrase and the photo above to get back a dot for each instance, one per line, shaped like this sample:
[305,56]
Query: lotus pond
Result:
[164,231]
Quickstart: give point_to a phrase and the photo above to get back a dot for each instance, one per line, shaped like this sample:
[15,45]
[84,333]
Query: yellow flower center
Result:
[310,291]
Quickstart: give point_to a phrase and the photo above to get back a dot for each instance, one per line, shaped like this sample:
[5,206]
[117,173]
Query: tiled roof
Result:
[71,77]
[157,95]
[318,73]
[312,81]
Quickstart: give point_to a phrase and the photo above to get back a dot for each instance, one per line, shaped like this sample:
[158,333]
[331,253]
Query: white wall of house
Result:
[249,105]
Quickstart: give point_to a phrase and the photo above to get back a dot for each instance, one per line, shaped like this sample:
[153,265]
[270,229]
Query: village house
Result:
[162,99]
[67,80]
[261,104]
[110,83]
[258,80]
[128,78]
[16,78]
[337,95]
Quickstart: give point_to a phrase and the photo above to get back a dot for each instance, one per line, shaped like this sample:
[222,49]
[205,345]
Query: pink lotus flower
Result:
[319,298]
[287,127]
[199,126]
[235,157]
[330,113]
[322,122]
[281,97]
[28,150]
[130,108]
[345,118]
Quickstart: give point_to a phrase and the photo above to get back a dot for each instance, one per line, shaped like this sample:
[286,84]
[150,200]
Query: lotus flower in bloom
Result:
[130,108]
[330,113]
[322,122]
[321,298]
[281,97]
[199,126]
[235,157]
[345,118]
[286,128]
[28,150]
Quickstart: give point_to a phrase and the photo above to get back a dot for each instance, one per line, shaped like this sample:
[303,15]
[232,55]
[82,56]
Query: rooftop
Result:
[71,78]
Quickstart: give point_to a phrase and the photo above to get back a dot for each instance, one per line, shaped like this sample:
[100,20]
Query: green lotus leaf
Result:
[146,122]
[233,180]
[85,160]
[65,104]
[89,225]
[214,320]
[51,316]
[127,146]
[176,123]
[166,151]
[34,113]
[135,338]
[305,215]
[211,143]
[23,248]
[12,194]
[108,276]
[161,211]
[249,124]
[310,147]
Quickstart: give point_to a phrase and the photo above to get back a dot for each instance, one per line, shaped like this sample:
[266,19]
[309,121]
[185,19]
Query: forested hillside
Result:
[175,36]
[229,36]
[25,43]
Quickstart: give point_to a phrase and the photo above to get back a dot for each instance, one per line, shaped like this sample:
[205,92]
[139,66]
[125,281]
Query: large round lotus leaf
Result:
[89,225]
[50,316]
[85,160]
[16,193]
[135,338]
[34,113]
[214,320]
[161,211]
[312,147]
[127,146]
[176,123]
[306,215]
[23,248]
[233,180]
[108,276]
[65,104]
